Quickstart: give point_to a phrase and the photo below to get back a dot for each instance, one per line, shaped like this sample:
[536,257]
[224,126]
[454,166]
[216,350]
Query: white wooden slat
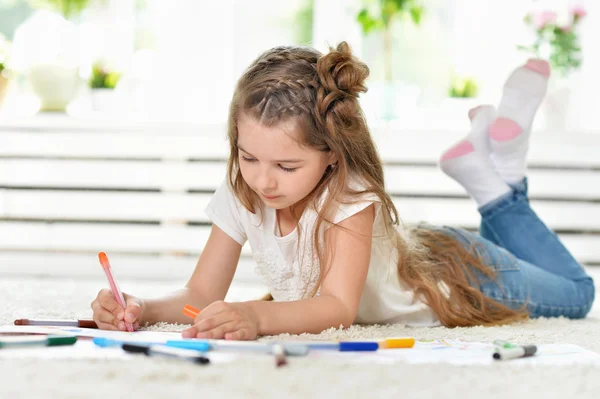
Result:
[171,175]
[176,207]
[18,236]
[85,205]
[210,142]
[95,238]
[85,265]
[542,183]
[112,145]
[176,175]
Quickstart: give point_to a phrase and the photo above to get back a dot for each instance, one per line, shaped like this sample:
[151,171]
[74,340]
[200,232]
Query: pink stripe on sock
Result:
[540,66]
[504,129]
[461,148]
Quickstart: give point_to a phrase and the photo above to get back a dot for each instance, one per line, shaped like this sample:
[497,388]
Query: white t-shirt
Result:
[290,277]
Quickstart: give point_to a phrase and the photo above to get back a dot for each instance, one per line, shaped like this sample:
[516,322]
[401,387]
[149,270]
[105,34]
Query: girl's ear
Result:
[332,160]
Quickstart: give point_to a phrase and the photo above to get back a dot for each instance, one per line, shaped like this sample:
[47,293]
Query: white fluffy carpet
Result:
[257,377]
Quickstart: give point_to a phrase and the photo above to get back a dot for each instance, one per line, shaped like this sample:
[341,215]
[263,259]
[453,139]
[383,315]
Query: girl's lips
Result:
[271,197]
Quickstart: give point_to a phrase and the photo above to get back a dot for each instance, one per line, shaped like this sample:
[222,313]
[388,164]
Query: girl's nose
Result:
[266,181]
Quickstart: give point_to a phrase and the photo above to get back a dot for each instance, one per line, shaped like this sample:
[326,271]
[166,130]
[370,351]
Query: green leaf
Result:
[381,17]
[416,14]
[68,8]
[111,80]
[103,78]
[367,21]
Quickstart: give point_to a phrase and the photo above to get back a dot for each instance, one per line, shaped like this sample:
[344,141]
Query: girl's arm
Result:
[336,305]
[209,282]
[341,289]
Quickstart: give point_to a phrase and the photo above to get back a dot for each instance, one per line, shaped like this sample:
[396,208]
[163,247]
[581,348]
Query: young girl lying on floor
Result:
[305,187]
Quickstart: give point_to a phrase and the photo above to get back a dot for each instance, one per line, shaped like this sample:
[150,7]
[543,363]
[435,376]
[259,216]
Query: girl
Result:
[305,187]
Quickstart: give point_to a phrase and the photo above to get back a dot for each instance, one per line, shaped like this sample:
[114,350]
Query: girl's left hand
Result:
[222,320]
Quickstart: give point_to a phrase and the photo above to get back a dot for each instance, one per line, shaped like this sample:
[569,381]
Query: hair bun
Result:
[342,73]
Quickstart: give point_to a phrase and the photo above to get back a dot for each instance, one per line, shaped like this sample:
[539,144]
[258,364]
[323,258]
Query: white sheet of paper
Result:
[462,353]
[85,349]
[424,352]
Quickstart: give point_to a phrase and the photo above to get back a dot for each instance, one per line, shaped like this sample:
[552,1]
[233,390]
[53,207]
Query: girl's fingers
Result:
[218,332]
[106,326]
[133,311]
[107,301]
[105,317]
[211,310]
[212,322]
[208,324]
[239,335]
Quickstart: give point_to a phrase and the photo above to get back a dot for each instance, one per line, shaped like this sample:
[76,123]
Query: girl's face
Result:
[274,165]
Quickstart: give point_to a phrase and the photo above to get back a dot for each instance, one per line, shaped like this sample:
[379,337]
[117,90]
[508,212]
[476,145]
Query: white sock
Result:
[481,119]
[509,134]
[473,170]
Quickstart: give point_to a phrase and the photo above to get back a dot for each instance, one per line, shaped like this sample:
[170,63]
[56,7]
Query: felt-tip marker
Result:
[56,323]
[36,340]
[177,353]
[515,352]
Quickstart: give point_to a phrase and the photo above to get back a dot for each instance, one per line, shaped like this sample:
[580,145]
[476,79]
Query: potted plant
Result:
[556,39]
[102,82]
[48,48]
[4,70]
[379,16]
[463,87]
[462,96]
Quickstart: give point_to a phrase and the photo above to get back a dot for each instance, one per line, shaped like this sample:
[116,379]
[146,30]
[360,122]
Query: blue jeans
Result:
[532,265]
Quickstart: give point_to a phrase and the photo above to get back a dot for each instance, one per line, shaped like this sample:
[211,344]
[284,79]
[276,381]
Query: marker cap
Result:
[56,340]
[104,260]
[394,343]
[190,311]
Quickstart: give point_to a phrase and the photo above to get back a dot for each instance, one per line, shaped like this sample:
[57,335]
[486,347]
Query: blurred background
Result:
[112,115]
[426,57]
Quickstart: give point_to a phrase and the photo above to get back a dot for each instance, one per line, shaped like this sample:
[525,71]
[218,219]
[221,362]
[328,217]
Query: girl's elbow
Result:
[347,317]
[342,313]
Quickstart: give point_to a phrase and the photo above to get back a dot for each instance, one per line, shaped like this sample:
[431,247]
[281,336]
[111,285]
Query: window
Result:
[181,58]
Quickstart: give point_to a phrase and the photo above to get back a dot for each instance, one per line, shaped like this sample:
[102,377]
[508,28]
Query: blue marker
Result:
[107,342]
[344,346]
[291,349]
[201,346]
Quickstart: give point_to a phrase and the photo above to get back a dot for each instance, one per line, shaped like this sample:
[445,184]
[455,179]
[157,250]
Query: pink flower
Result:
[566,29]
[578,11]
[541,19]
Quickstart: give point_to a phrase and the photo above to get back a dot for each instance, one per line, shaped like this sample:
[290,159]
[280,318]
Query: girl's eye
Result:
[287,169]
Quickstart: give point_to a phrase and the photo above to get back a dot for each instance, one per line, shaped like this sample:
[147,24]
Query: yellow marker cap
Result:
[393,343]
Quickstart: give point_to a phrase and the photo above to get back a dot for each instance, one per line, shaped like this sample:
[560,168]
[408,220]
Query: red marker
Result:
[114,287]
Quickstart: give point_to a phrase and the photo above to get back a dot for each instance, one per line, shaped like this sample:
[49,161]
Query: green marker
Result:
[36,340]
[505,344]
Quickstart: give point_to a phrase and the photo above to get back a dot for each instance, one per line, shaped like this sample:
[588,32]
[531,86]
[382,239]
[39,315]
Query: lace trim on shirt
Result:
[287,283]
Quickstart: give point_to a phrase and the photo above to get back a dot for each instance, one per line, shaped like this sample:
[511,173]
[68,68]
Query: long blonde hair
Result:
[321,93]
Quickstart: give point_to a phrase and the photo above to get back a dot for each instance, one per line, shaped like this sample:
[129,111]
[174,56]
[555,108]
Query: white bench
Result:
[69,189]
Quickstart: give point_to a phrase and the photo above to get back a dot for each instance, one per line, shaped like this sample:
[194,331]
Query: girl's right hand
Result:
[109,315]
